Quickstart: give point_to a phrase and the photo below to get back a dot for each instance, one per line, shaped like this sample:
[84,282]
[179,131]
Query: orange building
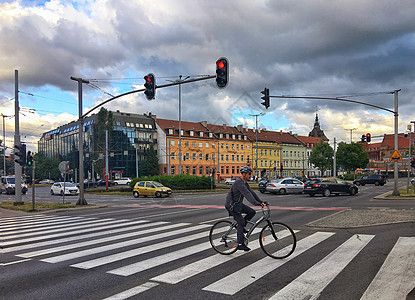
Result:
[202,144]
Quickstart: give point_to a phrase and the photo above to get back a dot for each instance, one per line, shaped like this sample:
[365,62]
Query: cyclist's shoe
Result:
[243,247]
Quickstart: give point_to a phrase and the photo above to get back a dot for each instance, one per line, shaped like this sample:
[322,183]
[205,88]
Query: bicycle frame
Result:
[261,219]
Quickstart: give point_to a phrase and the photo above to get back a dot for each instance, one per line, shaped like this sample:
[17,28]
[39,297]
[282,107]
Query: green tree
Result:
[351,156]
[322,156]
[150,165]
[46,166]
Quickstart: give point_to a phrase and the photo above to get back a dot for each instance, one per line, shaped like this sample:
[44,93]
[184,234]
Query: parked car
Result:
[375,179]
[230,181]
[285,186]
[102,182]
[123,180]
[150,188]
[7,185]
[58,188]
[328,186]
[46,181]
[262,185]
[413,181]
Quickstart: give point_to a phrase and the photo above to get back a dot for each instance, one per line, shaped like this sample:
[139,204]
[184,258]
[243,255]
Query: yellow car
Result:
[150,188]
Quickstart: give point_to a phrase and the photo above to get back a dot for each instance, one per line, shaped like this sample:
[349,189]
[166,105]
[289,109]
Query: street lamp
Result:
[180,80]
[256,141]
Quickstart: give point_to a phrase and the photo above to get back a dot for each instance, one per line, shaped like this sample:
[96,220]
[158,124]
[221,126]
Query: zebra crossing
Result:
[107,244]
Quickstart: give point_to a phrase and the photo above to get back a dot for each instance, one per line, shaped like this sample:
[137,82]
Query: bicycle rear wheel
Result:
[222,237]
[280,245]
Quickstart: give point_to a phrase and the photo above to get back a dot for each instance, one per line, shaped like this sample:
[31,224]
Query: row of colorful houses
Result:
[196,148]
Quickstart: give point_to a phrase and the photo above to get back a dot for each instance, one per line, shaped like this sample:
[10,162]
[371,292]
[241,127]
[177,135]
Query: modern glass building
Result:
[128,144]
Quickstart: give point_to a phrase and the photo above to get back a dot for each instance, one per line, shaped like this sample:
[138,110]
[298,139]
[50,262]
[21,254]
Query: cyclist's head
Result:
[246,170]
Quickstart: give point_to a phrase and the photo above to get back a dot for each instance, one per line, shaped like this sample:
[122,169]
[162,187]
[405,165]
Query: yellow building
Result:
[266,154]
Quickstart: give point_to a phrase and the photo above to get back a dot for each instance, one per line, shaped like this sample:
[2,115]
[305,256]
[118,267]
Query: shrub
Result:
[178,182]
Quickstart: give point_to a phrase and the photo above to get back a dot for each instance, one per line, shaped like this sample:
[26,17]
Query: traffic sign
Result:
[395,156]
[64,166]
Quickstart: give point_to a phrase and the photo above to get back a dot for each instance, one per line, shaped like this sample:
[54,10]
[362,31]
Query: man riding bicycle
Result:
[240,189]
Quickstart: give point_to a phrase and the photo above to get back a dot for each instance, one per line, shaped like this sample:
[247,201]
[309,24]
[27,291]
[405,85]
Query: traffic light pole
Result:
[81,200]
[17,166]
[395,112]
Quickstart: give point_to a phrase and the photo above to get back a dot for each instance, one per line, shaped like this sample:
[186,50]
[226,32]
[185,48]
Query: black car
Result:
[262,186]
[328,186]
[375,179]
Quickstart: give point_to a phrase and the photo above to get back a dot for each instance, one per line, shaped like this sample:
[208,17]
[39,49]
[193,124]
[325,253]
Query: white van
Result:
[7,184]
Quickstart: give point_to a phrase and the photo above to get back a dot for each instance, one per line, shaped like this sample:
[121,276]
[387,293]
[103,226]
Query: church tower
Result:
[317,132]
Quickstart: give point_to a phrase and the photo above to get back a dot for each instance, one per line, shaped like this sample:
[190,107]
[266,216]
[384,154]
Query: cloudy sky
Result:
[355,49]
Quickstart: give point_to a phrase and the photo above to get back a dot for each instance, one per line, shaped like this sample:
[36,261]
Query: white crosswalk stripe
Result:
[100,244]
[310,284]
[396,277]
[242,278]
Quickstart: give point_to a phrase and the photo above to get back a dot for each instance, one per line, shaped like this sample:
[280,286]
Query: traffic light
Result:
[363,138]
[265,98]
[20,151]
[412,162]
[150,86]
[368,137]
[222,72]
[29,159]
[281,168]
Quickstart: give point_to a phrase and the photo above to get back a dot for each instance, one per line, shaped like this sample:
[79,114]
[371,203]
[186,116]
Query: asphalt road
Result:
[158,248]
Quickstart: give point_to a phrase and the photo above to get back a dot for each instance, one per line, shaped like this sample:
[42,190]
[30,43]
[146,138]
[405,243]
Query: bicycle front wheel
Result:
[277,240]
[223,237]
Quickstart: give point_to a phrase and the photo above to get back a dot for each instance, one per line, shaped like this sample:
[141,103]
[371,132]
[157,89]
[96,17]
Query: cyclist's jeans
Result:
[250,213]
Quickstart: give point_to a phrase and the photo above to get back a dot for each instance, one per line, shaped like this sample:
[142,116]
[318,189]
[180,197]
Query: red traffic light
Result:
[220,64]
[147,78]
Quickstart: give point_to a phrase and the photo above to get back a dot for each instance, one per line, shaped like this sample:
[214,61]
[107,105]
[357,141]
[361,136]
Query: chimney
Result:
[204,123]
[224,125]
[240,128]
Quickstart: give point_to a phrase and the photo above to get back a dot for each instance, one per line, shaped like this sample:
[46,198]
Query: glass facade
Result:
[128,144]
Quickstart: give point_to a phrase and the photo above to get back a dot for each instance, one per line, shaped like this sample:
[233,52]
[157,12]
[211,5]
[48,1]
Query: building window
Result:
[227,146]
[194,170]
[200,145]
[207,156]
[221,157]
[187,156]
[170,131]
[207,145]
[186,143]
[207,170]
[233,170]
[192,133]
[201,133]
[233,146]
[200,156]
[227,170]
[172,142]
[210,134]
[227,157]
[173,169]
[201,170]
[213,145]
[187,170]
[173,155]
[194,144]
[194,156]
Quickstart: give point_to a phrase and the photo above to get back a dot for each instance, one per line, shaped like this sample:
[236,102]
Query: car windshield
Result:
[68,184]
[276,181]
[10,180]
[157,184]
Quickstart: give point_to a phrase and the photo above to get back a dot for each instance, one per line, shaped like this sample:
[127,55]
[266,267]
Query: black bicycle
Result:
[276,239]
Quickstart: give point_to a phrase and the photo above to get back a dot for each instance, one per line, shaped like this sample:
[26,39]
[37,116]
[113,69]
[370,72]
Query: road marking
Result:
[133,291]
[180,274]
[47,230]
[64,257]
[312,282]
[396,277]
[14,262]
[222,207]
[141,250]
[27,224]
[55,224]
[115,223]
[248,275]
[95,241]
[75,238]
[162,259]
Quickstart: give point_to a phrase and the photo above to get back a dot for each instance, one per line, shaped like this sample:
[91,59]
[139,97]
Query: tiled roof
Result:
[389,141]
[309,139]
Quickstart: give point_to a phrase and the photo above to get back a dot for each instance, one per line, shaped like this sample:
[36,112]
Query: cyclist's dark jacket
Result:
[239,191]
